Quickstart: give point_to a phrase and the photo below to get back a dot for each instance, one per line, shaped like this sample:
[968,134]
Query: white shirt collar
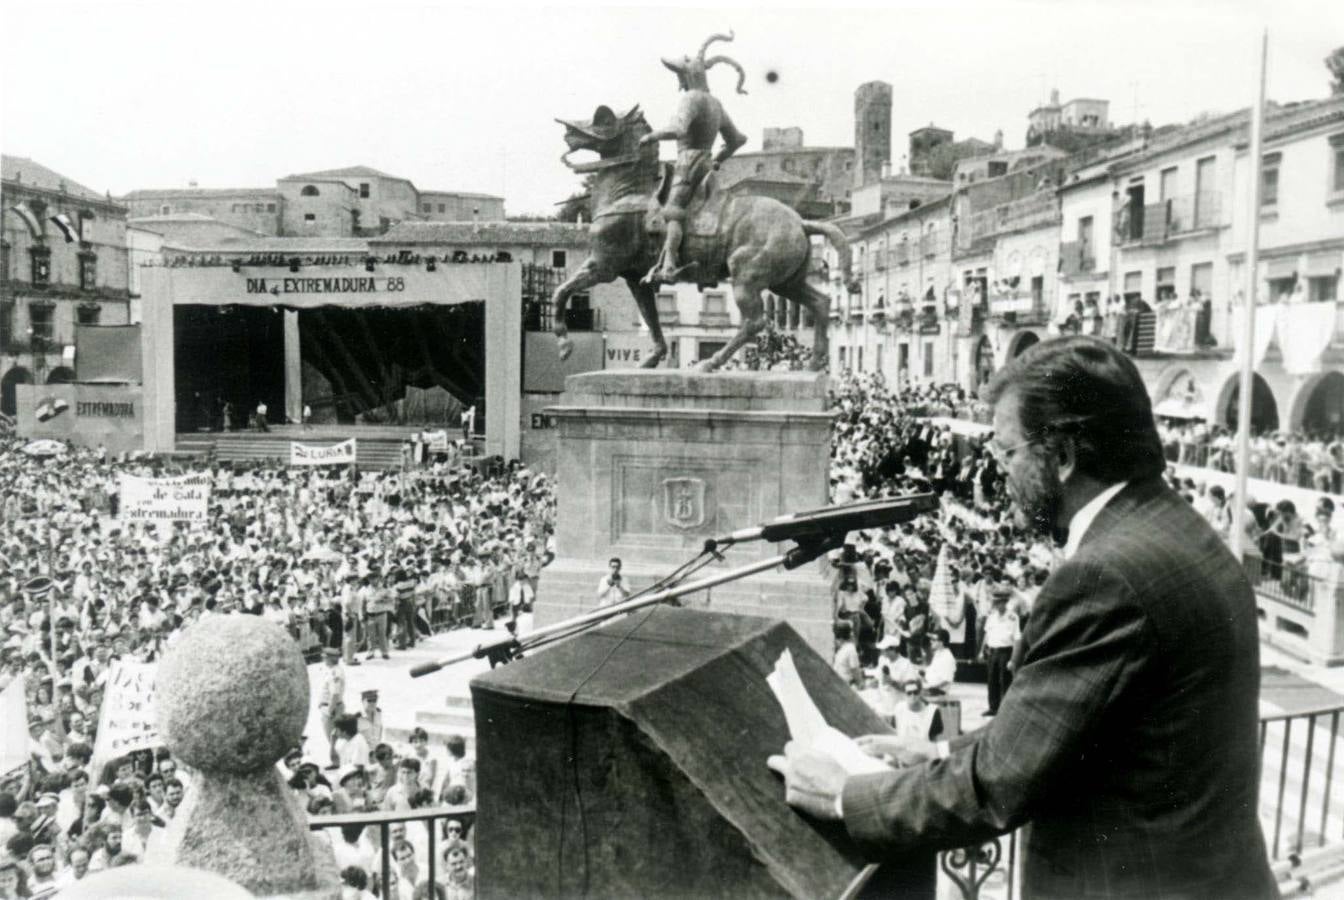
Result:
[1082,519]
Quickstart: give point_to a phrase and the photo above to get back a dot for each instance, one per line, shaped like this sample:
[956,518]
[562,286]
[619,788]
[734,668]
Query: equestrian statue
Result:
[658,223]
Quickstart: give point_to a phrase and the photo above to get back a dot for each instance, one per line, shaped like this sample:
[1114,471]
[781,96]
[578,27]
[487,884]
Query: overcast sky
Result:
[120,96]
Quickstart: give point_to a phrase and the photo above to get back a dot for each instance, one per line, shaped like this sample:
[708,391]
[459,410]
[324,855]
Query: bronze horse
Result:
[763,244]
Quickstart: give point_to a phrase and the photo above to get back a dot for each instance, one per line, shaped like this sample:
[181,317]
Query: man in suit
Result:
[1129,738]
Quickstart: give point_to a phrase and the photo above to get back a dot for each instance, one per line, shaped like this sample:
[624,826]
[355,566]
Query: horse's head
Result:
[613,137]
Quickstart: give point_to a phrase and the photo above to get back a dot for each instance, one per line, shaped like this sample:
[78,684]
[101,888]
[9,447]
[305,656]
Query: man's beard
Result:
[1036,495]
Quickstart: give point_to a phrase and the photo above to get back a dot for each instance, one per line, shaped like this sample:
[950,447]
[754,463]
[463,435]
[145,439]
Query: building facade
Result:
[356,201]
[51,281]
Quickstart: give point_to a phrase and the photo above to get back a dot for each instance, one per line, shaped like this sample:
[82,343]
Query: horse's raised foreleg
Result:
[583,278]
[748,299]
[647,299]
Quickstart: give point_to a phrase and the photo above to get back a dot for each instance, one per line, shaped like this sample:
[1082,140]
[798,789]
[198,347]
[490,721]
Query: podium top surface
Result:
[627,658]
[796,391]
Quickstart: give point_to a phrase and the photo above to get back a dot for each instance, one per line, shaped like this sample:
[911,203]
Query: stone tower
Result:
[872,131]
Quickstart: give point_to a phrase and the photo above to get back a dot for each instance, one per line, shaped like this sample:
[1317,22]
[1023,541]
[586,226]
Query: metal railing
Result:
[1300,778]
[383,820]
[1296,805]
[1280,469]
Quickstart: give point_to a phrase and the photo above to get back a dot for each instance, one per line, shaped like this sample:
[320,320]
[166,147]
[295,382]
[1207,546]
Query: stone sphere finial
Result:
[232,699]
[232,695]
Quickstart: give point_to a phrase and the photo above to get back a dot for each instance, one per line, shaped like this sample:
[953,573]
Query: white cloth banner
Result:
[14,748]
[332,455]
[436,441]
[129,720]
[1265,317]
[943,599]
[1304,330]
[181,498]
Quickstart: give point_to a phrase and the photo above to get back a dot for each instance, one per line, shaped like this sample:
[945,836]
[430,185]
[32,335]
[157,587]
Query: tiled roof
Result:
[169,193]
[491,233]
[347,172]
[267,244]
[471,194]
[23,171]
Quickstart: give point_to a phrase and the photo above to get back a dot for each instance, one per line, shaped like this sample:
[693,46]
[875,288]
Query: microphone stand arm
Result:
[506,648]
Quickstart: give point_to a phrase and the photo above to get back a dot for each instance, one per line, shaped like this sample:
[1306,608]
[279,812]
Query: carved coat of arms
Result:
[684,502]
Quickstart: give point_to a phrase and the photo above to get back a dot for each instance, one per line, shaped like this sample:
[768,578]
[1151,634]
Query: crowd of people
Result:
[1313,461]
[351,563]
[355,562]
[910,601]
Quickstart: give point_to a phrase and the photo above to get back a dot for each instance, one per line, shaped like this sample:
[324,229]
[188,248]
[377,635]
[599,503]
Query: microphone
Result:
[833,520]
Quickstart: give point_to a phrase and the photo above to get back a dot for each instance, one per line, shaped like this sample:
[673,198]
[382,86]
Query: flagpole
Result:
[1249,295]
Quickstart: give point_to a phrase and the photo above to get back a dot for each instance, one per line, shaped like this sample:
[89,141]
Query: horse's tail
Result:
[836,238]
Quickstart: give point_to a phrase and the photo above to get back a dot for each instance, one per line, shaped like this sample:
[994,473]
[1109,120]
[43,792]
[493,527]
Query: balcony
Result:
[1076,259]
[1019,309]
[1171,219]
[714,318]
[927,321]
[901,253]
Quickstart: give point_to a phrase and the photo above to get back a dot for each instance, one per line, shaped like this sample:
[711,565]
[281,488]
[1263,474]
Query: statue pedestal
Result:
[651,463]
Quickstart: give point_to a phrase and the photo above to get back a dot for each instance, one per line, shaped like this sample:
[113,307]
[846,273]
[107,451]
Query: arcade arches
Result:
[1264,408]
[8,389]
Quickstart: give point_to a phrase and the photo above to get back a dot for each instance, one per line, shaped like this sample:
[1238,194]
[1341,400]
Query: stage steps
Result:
[370,452]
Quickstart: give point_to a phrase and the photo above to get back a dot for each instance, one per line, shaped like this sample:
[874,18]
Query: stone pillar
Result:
[293,368]
[503,364]
[232,698]
[651,463]
[1326,635]
[157,360]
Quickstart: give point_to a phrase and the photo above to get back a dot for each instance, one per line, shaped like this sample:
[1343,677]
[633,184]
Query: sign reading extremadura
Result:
[326,285]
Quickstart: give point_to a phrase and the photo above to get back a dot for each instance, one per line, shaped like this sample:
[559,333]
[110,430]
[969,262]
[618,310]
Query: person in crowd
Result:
[915,717]
[1001,634]
[429,765]
[846,663]
[611,587]
[331,697]
[460,769]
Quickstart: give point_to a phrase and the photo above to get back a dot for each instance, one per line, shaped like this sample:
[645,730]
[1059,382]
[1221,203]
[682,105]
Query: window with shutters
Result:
[1269,181]
[41,265]
[1336,183]
[42,324]
[88,271]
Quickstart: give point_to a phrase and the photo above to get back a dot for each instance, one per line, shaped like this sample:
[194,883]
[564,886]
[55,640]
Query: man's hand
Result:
[813,782]
[650,138]
[901,751]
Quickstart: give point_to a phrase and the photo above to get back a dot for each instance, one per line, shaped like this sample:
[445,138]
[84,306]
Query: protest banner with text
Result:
[330,455]
[180,498]
[129,720]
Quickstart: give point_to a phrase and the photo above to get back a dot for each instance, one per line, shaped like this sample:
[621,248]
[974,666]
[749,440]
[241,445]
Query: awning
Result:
[1177,408]
[1283,267]
[1319,264]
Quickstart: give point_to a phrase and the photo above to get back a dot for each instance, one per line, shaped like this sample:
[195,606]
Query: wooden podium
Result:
[630,761]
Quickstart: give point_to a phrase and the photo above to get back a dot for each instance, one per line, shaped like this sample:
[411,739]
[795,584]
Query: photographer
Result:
[611,590]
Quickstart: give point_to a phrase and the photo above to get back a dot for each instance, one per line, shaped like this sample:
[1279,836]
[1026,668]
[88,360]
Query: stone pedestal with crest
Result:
[651,463]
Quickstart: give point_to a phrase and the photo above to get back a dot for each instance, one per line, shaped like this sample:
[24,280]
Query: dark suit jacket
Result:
[1129,737]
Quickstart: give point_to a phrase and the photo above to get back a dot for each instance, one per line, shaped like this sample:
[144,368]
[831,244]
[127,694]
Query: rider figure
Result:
[699,119]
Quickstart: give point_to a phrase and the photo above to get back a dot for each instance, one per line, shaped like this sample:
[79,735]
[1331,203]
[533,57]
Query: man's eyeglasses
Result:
[1003,454]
